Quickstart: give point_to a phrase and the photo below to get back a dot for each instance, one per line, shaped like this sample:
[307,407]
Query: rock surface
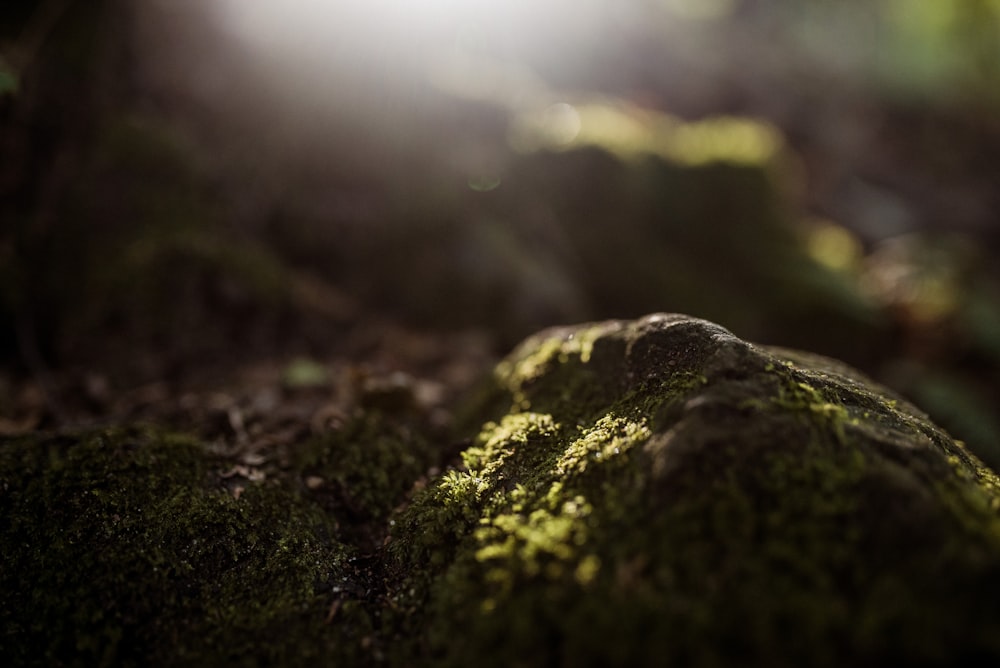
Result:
[649,492]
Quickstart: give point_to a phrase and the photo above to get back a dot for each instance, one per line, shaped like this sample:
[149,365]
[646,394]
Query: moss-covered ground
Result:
[650,492]
[138,547]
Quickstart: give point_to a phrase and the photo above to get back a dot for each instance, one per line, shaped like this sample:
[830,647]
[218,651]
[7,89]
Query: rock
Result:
[661,492]
[649,492]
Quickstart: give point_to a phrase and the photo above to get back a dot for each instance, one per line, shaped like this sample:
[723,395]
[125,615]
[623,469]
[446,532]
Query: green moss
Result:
[798,397]
[547,353]
[123,548]
[361,472]
[710,503]
[674,496]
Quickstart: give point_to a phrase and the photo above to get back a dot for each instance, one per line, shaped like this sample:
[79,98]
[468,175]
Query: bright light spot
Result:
[630,132]
[558,125]
[561,126]
[587,569]
[488,80]
[615,128]
[561,123]
[413,30]
[383,64]
[723,139]
[833,246]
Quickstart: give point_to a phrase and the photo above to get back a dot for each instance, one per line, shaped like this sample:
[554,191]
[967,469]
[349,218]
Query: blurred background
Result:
[190,186]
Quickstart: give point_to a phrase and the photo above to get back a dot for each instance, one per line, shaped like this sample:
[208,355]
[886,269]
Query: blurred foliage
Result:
[927,50]
[945,47]
[131,222]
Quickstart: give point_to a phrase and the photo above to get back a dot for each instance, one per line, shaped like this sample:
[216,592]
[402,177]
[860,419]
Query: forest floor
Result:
[254,406]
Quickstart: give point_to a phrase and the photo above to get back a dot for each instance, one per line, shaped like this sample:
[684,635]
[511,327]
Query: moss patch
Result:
[360,473]
[123,548]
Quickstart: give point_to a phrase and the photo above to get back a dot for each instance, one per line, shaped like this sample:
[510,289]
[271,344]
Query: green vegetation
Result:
[632,492]
[766,510]
[124,548]
[361,472]
[639,493]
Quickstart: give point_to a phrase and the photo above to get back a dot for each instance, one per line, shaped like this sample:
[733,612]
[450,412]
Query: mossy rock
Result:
[650,492]
[661,492]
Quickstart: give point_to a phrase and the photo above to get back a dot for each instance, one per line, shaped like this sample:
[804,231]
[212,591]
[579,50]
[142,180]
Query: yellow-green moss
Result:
[541,356]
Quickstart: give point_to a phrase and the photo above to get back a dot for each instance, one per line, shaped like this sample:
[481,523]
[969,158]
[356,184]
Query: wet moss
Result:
[678,496]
